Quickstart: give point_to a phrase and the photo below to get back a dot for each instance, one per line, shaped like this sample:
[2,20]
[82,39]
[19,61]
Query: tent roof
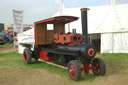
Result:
[27,33]
[101,19]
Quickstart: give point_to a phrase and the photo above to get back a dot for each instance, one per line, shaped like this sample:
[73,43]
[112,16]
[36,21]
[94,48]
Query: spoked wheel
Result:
[27,56]
[99,67]
[74,70]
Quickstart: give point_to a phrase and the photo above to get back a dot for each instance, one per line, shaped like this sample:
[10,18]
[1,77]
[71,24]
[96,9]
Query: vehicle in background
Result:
[4,38]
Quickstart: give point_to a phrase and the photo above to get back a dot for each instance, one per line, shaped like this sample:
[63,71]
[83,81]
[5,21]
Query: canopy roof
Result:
[58,19]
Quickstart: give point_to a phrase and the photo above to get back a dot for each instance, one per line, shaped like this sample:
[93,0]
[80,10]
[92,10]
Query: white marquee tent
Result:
[111,22]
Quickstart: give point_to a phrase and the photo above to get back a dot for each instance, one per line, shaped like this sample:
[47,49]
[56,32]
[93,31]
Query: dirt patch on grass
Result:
[22,76]
[7,49]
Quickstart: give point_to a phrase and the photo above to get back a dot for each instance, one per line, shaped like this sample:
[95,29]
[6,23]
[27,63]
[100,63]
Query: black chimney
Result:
[84,25]
[74,31]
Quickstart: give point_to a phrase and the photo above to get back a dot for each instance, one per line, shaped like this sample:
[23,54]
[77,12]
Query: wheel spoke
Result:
[97,67]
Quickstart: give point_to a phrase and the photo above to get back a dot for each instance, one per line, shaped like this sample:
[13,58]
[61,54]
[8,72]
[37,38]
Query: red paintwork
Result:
[72,71]
[43,55]
[25,57]
[68,39]
[87,67]
[91,52]
[47,20]
[35,32]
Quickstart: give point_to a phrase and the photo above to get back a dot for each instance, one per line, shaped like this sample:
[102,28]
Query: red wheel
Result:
[74,70]
[27,56]
[99,67]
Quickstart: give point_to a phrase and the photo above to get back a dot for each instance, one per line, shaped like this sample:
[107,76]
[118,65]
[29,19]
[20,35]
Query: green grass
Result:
[10,54]
[15,59]
[114,64]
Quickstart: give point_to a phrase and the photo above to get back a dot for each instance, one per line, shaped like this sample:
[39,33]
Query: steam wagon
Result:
[63,48]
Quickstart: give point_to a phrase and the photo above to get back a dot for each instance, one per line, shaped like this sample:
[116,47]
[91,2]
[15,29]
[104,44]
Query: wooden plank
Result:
[40,34]
[49,36]
[60,66]
[59,27]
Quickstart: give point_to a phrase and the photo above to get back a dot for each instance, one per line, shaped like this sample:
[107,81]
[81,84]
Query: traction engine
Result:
[68,49]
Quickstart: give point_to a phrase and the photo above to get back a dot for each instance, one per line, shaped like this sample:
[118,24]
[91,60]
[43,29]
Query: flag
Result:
[18,21]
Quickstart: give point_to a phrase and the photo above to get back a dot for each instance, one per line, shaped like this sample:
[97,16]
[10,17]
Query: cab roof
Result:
[58,19]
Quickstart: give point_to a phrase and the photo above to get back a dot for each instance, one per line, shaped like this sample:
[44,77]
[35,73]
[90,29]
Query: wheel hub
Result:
[97,68]
[72,70]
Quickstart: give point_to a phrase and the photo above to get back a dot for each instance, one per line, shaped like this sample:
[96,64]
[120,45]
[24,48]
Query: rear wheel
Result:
[27,56]
[36,53]
[99,66]
[74,70]
[35,56]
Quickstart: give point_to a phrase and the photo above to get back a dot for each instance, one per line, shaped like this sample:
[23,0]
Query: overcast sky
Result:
[35,10]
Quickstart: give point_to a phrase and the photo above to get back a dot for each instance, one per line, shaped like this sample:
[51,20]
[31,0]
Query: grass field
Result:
[13,71]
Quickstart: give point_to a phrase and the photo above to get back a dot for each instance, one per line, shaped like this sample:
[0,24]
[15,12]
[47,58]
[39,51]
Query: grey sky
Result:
[35,10]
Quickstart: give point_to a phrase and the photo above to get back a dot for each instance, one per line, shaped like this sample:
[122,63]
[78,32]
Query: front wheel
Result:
[99,67]
[74,70]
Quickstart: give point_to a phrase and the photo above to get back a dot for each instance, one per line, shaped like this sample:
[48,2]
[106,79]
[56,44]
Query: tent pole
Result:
[113,2]
[112,43]
[68,27]
[14,40]
[61,7]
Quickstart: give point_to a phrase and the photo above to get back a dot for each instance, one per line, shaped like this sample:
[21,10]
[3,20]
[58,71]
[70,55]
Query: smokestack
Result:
[74,31]
[84,25]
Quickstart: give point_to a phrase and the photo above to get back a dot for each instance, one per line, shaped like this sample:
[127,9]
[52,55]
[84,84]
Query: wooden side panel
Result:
[49,36]
[59,27]
[44,36]
[40,34]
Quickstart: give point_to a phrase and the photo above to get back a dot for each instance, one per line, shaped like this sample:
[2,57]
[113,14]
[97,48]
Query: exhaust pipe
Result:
[84,25]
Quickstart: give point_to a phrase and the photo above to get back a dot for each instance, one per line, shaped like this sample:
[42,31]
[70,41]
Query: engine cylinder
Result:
[83,51]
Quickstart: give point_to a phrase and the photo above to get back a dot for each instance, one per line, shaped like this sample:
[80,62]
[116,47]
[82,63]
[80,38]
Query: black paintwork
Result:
[84,26]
